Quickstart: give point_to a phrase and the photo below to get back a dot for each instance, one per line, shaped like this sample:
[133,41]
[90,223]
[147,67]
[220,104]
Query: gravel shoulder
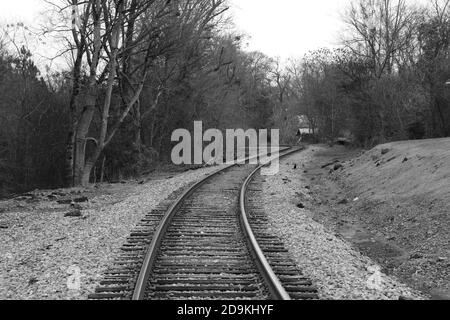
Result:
[338,269]
[42,249]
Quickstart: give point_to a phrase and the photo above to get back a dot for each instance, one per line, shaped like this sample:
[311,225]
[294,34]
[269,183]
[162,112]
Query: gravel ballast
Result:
[337,269]
[42,250]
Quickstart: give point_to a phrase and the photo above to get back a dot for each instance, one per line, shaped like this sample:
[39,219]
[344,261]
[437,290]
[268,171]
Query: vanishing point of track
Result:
[211,243]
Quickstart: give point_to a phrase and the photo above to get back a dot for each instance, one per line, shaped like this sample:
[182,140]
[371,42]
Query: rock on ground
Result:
[42,250]
[338,270]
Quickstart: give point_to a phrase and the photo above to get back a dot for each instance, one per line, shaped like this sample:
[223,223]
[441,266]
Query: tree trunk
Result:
[81,141]
[102,173]
[69,158]
[86,174]
[70,144]
[138,130]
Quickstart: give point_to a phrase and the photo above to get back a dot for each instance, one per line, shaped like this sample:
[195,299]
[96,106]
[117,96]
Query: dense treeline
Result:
[138,70]
[389,79]
[33,124]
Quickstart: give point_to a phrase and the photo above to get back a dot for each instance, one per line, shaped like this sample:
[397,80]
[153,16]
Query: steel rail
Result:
[152,251]
[274,284]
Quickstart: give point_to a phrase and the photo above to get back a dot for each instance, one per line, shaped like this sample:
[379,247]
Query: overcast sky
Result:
[284,28]
[289,28]
[13,10]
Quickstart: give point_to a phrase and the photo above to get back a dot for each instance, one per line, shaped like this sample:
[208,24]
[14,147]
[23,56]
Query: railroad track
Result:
[210,243]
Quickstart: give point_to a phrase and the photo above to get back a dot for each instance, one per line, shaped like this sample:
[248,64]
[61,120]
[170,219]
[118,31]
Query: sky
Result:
[279,28]
[289,28]
[24,10]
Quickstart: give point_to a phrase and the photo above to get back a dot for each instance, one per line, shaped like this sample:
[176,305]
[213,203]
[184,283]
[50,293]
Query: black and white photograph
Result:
[233,158]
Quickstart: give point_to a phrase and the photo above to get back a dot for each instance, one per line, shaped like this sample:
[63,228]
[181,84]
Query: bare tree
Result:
[115,43]
[379,30]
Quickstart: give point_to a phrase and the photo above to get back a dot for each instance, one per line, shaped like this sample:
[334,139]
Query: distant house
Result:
[304,126]
[305,132]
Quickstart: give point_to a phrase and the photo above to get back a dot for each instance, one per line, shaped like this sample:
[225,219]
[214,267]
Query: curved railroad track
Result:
[211,243]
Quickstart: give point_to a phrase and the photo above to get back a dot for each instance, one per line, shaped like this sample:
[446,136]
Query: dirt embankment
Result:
[392,203]
[335,267]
